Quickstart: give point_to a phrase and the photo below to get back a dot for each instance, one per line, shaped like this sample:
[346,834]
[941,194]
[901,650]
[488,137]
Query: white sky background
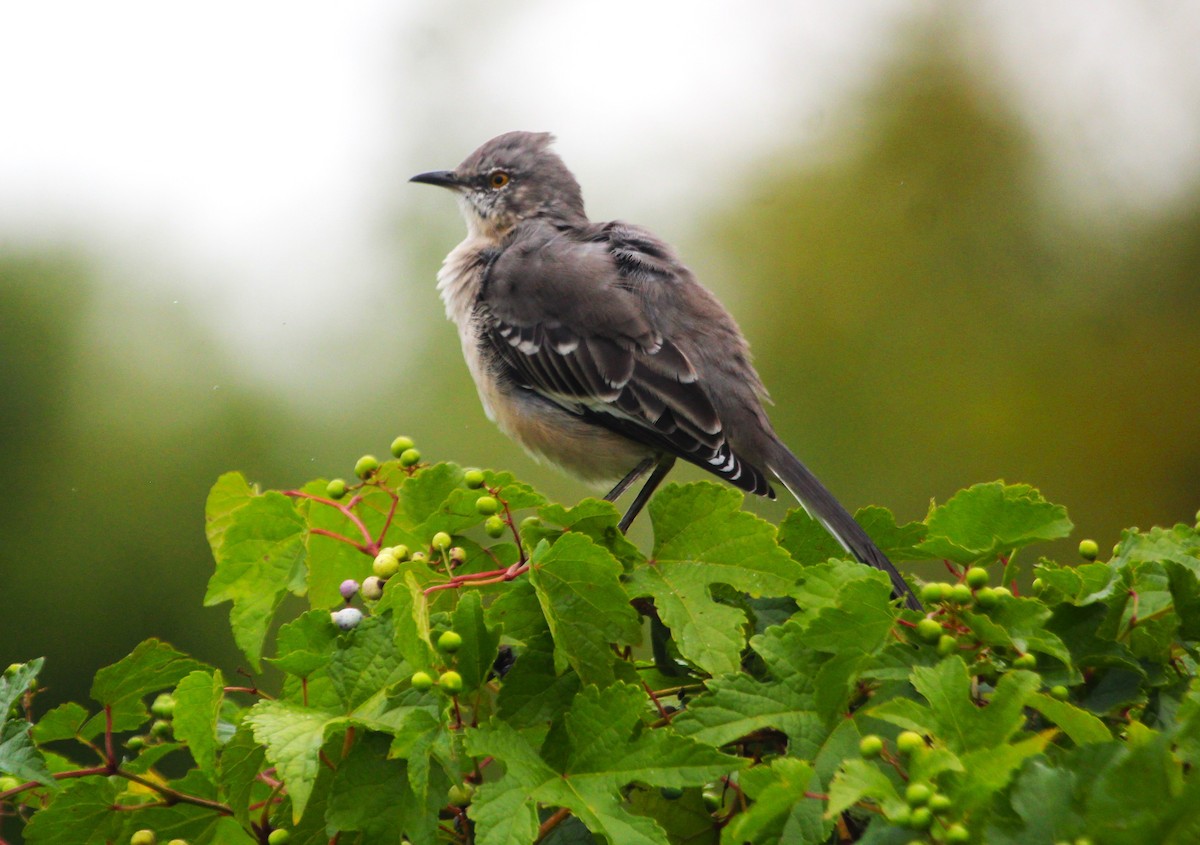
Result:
[243,158]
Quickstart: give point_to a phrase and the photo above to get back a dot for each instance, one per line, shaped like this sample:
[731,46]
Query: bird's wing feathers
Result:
[568,323]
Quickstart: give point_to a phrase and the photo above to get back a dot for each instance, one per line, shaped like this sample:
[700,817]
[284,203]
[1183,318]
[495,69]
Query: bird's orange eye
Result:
[499,179]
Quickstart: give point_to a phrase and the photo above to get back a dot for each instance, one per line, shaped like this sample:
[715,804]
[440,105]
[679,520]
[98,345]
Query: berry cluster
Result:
[926,809]
[279,836]
[161,730]
[449,681]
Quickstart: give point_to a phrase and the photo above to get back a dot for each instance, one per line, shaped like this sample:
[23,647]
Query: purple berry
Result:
[348,589]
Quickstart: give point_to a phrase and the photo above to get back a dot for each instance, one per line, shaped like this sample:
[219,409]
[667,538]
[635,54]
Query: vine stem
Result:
[551,823]
[371,544]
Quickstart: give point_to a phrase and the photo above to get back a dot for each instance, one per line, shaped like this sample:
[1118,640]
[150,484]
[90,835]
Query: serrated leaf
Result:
[19,757]
[81,815]
[404,597]
[584,605]
[305,644]
[328,560]
[533,693]
[987,771]
[14,684]
[261,557]
[781,811]
[597,519]
[738,705]
[371,793]
[241,760]
[475,657]
[62,722]
[986,521]
[366,661]
[809,542]
[858,781]
[229,493]
[293,736]
[151,667]
[1081,726]
[1020,624]
[607,748]
[422,493]
[198,700]
[701,538]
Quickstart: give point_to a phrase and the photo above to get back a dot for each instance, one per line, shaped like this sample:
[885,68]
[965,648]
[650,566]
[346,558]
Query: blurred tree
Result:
[927,315]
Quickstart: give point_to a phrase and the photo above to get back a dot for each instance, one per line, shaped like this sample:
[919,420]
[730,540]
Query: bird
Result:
[595,348]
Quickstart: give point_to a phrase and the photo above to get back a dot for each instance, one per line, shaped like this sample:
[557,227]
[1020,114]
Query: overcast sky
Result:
[258,147]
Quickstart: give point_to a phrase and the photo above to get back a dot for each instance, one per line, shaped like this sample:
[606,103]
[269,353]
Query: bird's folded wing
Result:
[566,325]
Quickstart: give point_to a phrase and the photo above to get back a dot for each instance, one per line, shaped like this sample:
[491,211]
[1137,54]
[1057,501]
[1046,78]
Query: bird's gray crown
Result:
[513,177]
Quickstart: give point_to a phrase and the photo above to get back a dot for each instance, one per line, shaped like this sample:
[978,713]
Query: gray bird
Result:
[595,348]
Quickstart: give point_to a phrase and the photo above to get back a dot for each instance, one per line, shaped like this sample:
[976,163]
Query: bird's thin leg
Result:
[630,477]
[662,467]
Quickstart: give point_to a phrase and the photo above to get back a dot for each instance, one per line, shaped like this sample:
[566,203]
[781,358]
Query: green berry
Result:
[935,592]
[163,706]
[473,478]
[530,522]
[409,457]
[918,794]
[386,564]
[947,645]
[451,682]
[1060,692]
[956,834]
[460,794]
[401,445]
[1083,840]
[161,729]
[977,577]
[421,681]
[909,742]
[418,557]
[366,465]
[1038,585]
[940,803]
[372,588]
[336,489]
[279,836]
[1025,661]
[458,555]
[1089,549]
[143,837]
[671,793]
[901,818]
[400,552]
[8,782]
[449,642]
[870,746]
[712,800]
[987,597]
[494,526]
[1003,591]
[960,594]
[12,669]
[487,505]
[135,743]
[441,540]
[178,842]
[921,818]
[929,630]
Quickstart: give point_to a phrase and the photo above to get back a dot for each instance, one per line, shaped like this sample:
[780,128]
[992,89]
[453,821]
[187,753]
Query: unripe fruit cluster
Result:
[448,643]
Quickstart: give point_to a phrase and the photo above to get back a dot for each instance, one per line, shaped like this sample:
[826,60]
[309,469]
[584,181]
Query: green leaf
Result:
[475,657]
[1081,726]
[1018,623]
[305,644]
[780,811]
[198,700]
[597,519]
[293,736]
[702,538]
[62,722]
[18,756]
[260,558]
[858,781]
[600,746]
[151,667]
[330,561]
[241,760]
[738,704]
[229,493]
[533,693]
[584,604]
[990,520]
[80,815]
[371,793]
[14,684]
[404,598]
[367,661]
[809,542]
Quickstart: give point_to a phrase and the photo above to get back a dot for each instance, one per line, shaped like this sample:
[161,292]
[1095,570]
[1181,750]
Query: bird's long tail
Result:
[822,506]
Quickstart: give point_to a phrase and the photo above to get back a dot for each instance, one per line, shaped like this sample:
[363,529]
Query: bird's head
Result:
[513,177]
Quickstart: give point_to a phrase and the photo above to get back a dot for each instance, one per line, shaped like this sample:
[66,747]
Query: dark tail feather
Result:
[822,506]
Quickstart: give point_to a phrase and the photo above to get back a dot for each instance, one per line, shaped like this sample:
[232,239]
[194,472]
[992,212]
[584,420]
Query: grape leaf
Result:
[152,666]
[197,705]
[599,746]
[366,661]
[305,644]
[19,757]
[480,641]
[63,722]
[986,521]
[702,538]
[241,760]
[80,815]
[781,811]
[293,736]
[259,559]
[584,605]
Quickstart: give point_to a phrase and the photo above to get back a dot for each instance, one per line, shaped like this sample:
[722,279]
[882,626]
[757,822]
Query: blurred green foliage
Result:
[925,312]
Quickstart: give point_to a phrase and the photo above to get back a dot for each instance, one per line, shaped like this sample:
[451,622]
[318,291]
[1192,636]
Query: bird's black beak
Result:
[441,178]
